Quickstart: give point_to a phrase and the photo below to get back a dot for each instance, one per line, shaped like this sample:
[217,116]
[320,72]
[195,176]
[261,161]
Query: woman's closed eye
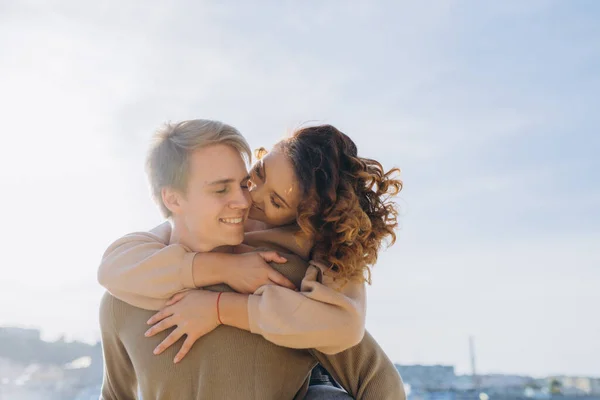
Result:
[275,204]
[222,191]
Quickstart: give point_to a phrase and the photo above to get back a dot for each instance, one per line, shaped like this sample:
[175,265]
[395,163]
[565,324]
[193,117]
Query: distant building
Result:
[428,377]
[578,385]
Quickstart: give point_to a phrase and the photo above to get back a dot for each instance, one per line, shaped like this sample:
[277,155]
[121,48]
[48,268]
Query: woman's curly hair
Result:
[345,208]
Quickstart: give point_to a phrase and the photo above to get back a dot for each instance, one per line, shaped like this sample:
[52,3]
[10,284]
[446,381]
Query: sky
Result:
[487,107]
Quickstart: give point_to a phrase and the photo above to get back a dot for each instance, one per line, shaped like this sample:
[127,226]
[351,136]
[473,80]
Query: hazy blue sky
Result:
[488,108]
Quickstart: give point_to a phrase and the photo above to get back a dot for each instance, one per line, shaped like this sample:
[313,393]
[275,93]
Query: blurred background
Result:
[486,106]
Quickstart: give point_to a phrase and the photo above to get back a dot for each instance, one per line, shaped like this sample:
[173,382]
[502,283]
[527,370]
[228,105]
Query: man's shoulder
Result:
[294,269]
[282,238]
[115,313]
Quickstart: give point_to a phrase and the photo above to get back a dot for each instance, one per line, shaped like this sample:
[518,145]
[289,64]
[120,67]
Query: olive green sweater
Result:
[230,363]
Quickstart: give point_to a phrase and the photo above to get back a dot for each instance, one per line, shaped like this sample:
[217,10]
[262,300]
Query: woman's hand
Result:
[193,312]
[251,271]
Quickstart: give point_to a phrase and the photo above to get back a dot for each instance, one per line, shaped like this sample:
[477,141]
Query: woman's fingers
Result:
[161,326]
[175,298]
[185,348]
[281,280]
[272,256]
[159,316]
[169,341]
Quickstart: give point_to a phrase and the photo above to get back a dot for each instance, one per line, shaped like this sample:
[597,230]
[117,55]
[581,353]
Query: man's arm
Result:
[364,371]
[119,381]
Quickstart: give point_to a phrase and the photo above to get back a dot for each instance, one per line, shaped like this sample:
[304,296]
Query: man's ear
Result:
[171,199]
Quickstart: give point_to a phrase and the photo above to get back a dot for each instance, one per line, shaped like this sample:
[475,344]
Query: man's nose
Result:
[242,200]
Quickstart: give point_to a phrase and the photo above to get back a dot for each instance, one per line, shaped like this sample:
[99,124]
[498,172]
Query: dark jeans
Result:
[326,392]
[324,387]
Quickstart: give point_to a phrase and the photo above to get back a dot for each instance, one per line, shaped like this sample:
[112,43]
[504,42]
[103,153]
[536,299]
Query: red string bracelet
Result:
[218,314]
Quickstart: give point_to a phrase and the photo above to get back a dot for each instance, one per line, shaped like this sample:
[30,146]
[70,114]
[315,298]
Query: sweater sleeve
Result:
[325,316]
[364,371]
[119,381]
[142,270]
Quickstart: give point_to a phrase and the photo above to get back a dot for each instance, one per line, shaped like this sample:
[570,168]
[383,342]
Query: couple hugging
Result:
[257,278]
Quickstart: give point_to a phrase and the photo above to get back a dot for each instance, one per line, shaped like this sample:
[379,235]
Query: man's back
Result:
[227,363]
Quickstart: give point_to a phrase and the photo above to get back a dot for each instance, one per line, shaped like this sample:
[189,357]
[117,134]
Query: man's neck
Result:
[181,235]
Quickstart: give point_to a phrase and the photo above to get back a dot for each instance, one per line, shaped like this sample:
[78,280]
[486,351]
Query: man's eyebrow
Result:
[221,182]
[227,180]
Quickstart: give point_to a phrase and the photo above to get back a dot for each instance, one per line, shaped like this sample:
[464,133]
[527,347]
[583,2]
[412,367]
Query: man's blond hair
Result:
[167,163]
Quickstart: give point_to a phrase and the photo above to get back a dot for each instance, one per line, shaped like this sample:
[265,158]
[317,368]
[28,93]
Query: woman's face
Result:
[274,189]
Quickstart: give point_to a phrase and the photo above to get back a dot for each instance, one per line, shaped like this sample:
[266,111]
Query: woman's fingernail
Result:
[147,333]
[155,351]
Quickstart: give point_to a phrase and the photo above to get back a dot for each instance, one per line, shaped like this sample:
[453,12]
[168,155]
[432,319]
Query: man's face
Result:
[215,206]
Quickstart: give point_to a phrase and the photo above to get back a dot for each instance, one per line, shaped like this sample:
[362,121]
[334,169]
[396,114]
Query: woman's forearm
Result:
[233,310]
[210,269]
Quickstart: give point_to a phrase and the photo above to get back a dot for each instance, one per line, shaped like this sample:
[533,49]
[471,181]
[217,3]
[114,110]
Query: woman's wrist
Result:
[233,310]
[210,269]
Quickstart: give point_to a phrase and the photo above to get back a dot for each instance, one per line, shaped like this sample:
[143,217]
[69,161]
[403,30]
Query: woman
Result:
[315,196]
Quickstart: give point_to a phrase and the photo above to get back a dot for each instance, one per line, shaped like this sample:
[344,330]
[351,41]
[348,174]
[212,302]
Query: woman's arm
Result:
[144,271]
[323,317]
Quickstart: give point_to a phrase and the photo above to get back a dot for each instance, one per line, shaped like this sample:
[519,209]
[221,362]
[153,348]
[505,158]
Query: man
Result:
[206,199]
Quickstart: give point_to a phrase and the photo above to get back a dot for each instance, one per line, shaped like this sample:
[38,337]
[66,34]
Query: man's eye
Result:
[246,184]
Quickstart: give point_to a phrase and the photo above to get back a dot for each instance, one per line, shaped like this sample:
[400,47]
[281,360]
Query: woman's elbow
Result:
[105,279]
[351,333]
[357,334]
[354,334]
[355,328]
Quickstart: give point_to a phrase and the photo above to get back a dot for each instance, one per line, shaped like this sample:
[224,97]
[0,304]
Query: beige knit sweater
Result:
[144,270]
[230,363]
